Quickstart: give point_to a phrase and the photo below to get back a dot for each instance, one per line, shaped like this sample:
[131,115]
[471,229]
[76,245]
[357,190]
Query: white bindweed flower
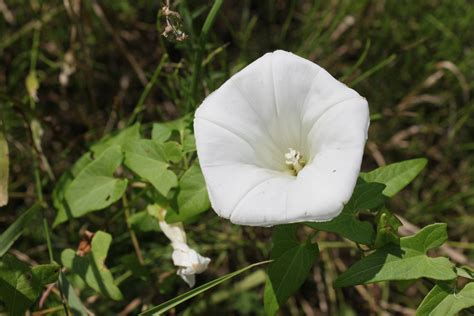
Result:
[281,142]
[188,261]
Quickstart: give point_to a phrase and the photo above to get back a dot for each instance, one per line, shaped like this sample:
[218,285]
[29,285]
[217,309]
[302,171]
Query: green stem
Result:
[9,39]
[34,48]
[48,239]
[133,237]
[198,58]
[334,245]
[38,186]
[146,91]
[373,70]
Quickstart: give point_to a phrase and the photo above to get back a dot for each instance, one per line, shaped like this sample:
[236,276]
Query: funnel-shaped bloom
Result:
[281,142]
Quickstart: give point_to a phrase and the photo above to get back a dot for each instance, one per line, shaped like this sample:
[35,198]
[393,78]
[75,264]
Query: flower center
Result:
[294,160]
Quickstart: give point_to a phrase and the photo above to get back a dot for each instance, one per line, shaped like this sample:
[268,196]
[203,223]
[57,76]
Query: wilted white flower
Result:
[188,261]
[281,142]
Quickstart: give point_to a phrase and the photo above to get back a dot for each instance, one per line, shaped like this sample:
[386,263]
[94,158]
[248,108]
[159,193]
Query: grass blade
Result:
[4,168]
[16,229]
[166,306]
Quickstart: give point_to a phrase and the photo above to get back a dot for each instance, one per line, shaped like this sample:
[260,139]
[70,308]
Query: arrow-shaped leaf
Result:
[406,261]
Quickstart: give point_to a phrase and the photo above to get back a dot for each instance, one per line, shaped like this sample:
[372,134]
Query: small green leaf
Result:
[144,222]
[166,306]
[149,159]
[443,300]
[189,142]
[387,229]
[465,272]
[173,151]
[21,285]
[91,268]
[119,139]
[59,200]
[395,176]
[95,188]
[161,132]
[73,301]
[16,229]
[365,196]
[192,197]
[402,262]
[290,268]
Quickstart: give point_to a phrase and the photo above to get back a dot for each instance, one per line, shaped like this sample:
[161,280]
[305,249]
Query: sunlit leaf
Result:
[395,176]
[95,188]
[161,132]
[119,139]
[150,160]
[144,222]
[192,198]
[91,268]
[444,300]
[59,200]
[406,261]
[189,142]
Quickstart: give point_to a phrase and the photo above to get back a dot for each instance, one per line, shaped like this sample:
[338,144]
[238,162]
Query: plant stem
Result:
[200,51]
[146,91]
[133,237]
[48,239]
[373,70]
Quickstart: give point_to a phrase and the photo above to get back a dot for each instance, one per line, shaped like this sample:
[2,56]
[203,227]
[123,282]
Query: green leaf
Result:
[290,268]
[192,196]
[4,170]
[16,229]
[73,301]
[387,229]
[91,268]
[59,200]
[403,262]
[173,151]
[189,142]
[95,188]
[161,132]
[443,300]
[166,306]
[21,285]
[149,159]
[144,222]
[365,196]
[395,176]
[119,139]
[465,272]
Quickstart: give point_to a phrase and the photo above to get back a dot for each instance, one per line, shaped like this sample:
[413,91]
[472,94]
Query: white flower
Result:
[281,142]
[188,261]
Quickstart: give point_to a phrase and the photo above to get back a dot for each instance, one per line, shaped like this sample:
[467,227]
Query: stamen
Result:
[294,159]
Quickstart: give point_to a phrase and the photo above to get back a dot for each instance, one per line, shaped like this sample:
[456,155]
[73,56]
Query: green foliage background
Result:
[412,60]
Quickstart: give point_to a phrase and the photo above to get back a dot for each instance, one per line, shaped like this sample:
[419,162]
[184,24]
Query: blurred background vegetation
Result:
[73,71]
